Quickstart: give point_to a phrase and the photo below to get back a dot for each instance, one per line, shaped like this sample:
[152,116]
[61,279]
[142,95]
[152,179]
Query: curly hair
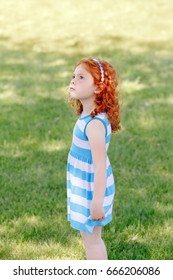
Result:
[106,100]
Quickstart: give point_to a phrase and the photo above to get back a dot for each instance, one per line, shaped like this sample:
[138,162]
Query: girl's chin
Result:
[73,95]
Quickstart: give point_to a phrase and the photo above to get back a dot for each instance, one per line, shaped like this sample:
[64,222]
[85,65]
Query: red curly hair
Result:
[107,98]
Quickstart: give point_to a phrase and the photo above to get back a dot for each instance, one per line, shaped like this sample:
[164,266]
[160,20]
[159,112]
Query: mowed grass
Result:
[40,42]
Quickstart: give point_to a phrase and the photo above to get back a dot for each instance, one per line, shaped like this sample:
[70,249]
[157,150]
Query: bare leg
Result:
[94,245]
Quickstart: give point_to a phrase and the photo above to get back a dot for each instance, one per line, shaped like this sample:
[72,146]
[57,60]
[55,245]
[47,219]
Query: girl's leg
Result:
[94,245]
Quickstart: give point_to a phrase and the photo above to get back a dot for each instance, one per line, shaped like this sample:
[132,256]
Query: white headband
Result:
[101,69]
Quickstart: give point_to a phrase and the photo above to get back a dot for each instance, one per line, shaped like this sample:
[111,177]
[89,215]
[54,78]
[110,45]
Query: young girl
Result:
[90,182]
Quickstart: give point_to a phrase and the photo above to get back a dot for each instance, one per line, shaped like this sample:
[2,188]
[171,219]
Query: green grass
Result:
[40,42]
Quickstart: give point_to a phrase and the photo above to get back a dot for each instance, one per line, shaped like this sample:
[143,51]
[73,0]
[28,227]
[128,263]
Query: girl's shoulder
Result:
[101,115]
[87,119]
[103,118]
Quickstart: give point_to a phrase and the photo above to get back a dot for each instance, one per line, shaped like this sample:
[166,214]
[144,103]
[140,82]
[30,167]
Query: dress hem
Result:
[89,228]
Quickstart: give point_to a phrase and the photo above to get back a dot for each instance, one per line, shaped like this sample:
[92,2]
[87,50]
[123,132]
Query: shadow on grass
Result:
[36,135]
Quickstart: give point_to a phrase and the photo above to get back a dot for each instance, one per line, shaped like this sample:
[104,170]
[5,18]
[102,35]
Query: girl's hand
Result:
[97,212]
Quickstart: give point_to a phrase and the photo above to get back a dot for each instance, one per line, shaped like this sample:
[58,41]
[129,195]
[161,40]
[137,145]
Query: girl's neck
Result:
[88,107]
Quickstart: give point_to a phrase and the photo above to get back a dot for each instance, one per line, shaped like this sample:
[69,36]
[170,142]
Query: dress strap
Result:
[103,119]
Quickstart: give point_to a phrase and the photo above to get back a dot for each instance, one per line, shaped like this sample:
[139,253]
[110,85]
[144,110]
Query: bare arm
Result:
[96,135]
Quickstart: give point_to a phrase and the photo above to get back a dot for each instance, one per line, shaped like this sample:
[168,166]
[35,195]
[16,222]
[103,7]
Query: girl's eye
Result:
[80,77]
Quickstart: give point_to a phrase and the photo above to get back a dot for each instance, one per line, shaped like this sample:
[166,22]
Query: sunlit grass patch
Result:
[41,251]
[131,86]
[54,146]
[36,238]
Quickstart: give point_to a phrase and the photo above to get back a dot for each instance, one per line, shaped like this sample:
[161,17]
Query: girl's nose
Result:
[73,81]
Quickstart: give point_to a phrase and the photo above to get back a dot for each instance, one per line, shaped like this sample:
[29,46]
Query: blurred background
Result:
[40,43]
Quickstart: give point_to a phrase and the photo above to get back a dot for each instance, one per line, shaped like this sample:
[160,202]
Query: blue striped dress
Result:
[80,177]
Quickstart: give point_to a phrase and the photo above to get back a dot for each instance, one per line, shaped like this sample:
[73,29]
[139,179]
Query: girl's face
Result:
[82,84]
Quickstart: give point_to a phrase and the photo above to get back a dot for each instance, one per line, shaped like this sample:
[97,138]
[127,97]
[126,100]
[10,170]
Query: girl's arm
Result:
[96,135]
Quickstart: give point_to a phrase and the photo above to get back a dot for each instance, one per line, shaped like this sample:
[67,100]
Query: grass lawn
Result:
[40,42]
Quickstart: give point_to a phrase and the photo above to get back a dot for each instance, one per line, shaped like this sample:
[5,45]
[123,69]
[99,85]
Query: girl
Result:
[90,182]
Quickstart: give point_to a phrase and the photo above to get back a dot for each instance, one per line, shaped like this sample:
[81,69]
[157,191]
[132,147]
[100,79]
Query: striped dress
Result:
[80,178]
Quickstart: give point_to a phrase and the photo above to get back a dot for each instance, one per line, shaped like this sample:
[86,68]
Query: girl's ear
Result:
[99,88]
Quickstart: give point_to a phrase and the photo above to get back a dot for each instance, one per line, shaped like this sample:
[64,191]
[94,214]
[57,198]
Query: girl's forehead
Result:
[80,69]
